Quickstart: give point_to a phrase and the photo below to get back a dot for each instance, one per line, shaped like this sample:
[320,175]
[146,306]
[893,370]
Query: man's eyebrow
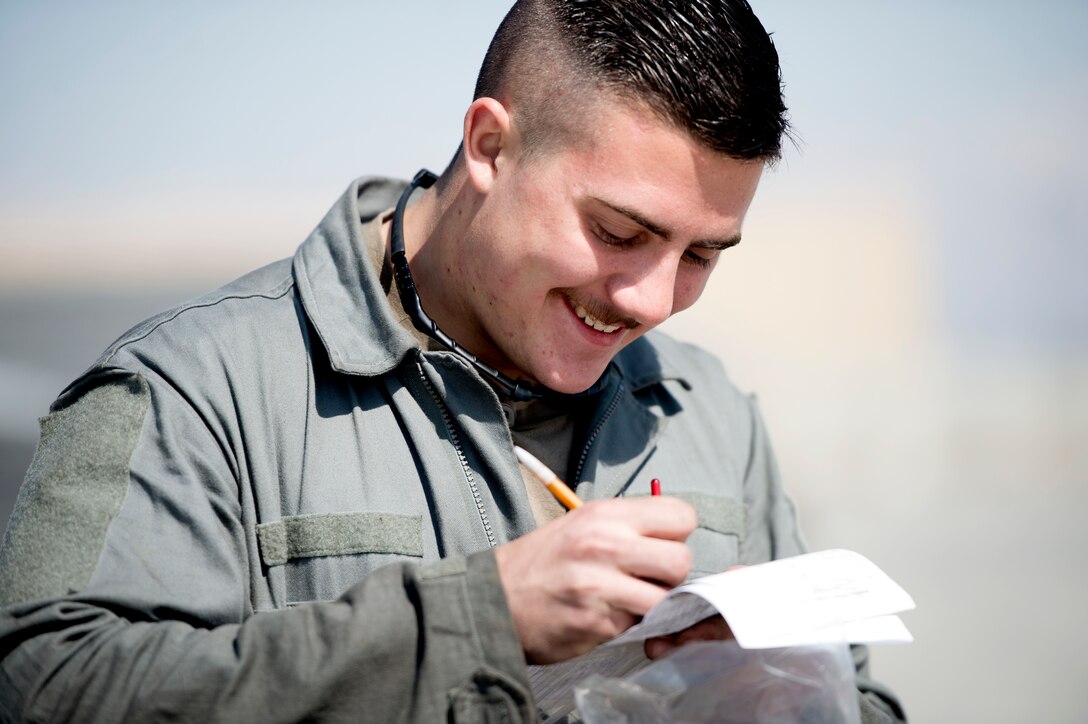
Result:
[637,218]
[659,230]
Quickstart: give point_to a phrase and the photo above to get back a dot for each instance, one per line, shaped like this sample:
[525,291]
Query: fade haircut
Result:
[706,66]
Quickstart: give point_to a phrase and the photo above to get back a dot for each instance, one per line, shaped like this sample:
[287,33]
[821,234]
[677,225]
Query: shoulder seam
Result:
[287,284]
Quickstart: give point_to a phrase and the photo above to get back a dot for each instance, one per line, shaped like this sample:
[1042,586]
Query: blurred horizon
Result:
[909,302]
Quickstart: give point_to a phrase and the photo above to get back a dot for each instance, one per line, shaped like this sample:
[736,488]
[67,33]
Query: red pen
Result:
[655,487]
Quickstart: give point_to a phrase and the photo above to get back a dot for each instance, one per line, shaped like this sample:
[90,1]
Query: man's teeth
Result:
[593,321]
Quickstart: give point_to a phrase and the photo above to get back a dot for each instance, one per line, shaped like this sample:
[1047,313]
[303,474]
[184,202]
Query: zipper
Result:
[596,431]
[448,421]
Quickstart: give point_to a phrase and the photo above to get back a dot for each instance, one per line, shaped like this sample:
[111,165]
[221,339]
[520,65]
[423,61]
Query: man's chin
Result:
[571,384]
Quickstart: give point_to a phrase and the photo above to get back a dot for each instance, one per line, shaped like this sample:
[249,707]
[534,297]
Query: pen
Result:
[551,481]
[655,487]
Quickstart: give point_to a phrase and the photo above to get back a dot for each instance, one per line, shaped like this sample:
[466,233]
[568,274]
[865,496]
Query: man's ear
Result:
[488,137]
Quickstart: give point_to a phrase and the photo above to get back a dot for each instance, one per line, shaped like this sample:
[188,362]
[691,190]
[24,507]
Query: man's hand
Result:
[709,629]
[588,576]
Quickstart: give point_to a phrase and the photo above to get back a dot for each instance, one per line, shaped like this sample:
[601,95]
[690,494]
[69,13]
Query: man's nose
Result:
[646,289]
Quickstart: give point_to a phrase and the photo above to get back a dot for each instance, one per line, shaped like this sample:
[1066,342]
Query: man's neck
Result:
[434,227]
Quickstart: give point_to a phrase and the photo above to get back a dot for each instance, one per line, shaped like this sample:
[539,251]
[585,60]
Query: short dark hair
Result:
[707,66]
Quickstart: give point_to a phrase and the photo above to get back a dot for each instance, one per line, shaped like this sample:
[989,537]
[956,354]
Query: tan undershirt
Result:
[546,432]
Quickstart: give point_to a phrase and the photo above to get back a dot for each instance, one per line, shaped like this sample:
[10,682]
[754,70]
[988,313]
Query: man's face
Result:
[579,251]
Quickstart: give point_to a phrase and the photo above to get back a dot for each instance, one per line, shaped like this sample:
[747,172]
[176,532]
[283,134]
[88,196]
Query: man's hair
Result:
[706,66]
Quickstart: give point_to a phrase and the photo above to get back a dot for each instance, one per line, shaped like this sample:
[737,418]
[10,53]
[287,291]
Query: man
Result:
[284,501]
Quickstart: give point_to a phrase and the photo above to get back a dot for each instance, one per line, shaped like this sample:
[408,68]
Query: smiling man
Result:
[565,256]
[297,497]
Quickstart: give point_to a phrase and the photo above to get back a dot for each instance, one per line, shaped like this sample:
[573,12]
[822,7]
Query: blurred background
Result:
[910,302]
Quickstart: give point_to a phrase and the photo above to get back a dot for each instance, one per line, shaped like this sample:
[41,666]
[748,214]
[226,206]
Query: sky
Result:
[162,130]
[910,301]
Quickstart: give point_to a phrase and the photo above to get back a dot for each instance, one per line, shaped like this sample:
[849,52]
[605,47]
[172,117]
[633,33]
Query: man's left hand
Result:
[709,629]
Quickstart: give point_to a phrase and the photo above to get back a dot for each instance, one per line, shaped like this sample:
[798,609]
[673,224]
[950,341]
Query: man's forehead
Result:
[621,155]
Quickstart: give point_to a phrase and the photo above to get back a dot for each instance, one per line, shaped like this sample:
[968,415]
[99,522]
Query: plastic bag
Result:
[721,682]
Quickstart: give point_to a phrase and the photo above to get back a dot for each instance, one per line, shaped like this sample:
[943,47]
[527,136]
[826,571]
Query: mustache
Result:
[604,313]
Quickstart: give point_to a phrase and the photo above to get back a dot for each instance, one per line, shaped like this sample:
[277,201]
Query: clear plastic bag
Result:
[723,683]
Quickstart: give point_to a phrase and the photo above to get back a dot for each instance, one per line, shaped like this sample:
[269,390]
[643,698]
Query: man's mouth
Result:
[592,321]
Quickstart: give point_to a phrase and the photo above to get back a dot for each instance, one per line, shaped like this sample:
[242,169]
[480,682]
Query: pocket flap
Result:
[718,513]
[337,534]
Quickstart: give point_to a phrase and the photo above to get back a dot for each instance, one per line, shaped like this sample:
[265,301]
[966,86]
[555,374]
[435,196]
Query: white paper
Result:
[812,598]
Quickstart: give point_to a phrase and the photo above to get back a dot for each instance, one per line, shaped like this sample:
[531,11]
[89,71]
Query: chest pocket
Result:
[326,553]
[716,544]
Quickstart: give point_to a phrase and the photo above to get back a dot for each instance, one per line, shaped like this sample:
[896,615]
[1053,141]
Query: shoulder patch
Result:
[73,490]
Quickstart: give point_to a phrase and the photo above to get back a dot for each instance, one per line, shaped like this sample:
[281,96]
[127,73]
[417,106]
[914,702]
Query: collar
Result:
[339,290]
[646,362]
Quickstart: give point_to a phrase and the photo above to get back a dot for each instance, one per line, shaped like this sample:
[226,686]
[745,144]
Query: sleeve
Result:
[773,533]
[125,595]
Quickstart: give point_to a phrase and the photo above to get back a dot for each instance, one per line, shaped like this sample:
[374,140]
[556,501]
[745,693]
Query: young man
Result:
[284,501]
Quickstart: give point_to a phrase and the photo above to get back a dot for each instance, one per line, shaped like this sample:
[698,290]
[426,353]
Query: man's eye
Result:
[612,239]
[703,262]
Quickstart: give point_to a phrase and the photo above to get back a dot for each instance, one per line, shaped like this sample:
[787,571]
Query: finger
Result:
[653,559]
[633,595]
[657,647]
[657,517]
[621,620]
[606,539]
[714,628]
[662,517]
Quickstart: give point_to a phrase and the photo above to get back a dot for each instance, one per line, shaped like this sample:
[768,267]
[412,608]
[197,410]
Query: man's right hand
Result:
[588,576]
